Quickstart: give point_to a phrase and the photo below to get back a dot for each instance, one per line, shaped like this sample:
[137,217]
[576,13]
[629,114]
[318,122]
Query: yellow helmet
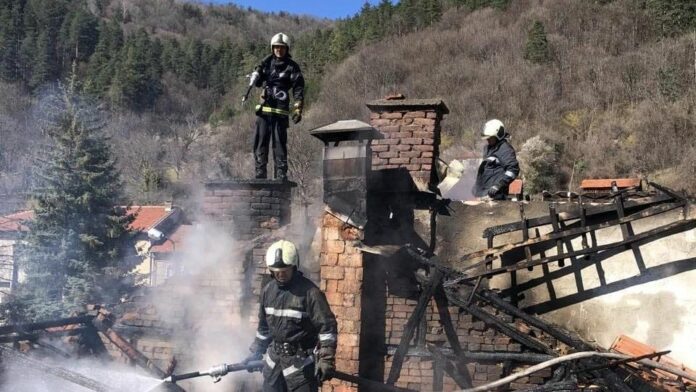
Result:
[282,254]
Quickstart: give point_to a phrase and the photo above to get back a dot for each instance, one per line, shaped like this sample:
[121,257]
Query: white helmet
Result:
[280,39]
[493,128]
[282,254]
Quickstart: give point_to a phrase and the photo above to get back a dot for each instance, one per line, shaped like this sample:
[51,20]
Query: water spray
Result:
[217,372]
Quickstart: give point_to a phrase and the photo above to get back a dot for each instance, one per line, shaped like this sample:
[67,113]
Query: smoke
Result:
[207,304]
[23,373]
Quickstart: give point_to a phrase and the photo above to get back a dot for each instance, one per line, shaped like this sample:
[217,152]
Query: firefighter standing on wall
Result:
[296,327]
[277,73]
[499,167]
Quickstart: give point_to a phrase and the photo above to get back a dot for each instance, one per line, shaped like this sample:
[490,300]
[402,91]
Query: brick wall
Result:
[474,336]
[411,130]
[373,296]
[250,209]
[341,280]
[211,310]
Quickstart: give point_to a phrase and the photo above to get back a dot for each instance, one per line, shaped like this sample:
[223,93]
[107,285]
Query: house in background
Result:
[159,232]
[11,229]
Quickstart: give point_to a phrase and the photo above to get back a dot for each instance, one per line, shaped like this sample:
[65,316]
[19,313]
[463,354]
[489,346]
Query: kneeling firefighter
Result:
[499,166]
[297,331]
[277,73]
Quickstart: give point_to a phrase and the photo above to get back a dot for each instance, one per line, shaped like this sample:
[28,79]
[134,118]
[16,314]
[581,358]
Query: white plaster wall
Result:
[661,313]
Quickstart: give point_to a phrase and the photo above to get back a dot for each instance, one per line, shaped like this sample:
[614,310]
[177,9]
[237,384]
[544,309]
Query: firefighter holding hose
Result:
[296,336]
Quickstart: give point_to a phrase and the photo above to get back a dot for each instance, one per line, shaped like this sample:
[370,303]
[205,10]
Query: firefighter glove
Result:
[254,77]
[326,363]
[325,369]
[254,356]
[297,112]
[492,191]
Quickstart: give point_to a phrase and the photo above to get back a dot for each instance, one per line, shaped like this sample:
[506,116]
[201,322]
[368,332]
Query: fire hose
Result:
[217,372]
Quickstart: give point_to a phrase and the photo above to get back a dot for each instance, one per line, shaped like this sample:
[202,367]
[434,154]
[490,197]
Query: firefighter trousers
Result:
[271,129]
[282,373]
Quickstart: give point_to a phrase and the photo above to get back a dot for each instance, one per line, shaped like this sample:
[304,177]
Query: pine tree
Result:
[10,39]
[673,16]
[537,49]
[136,83]
[73,252]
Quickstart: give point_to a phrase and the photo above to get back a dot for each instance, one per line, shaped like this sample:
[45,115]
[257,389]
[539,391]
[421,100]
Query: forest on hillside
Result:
[586,88]
[112,102]
[596,88]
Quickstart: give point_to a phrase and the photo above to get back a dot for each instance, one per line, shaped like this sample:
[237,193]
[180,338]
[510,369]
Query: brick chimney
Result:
[411,131]
[247,209]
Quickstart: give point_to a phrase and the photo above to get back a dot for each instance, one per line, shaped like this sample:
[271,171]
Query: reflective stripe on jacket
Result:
[280,75]
[296,313]
[498,168]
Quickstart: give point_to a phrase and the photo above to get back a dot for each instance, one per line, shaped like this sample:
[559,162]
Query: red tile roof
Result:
[174,241]
[605,183]
[146,218]
[515,187]
[15,222]
[629,346]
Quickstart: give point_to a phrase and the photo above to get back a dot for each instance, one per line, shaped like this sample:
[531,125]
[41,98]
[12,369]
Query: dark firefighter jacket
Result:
[279,76]
[296,313]
[499,168]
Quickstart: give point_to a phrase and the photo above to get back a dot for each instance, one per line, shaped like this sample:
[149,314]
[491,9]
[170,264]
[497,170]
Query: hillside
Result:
[615,97]
[606,87]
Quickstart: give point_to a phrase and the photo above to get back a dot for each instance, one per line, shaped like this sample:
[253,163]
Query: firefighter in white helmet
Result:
[277,74]
[499,167]
[295,323]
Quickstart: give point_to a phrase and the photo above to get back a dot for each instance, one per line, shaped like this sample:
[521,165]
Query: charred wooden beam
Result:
[556,333]
[35,336]
[638,239]
[563,386]
[418,313]
[463,381]
[24,328]
[500,325]
[451,333]
[481,356]
[559,335]
[495,252]
[591,212]
[103,323]
[650,274]
[623,361]
[627,231]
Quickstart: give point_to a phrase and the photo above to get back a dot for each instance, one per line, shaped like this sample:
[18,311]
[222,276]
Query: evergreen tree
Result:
[73,251]
[79,35]
[102,63]
[674,16]
[10,40]
[537,49]
[136,82]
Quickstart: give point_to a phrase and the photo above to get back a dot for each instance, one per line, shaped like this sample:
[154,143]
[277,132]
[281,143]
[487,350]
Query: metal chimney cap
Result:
[345,130]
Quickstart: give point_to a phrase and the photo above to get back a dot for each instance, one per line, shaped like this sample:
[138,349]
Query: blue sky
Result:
[321,8]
